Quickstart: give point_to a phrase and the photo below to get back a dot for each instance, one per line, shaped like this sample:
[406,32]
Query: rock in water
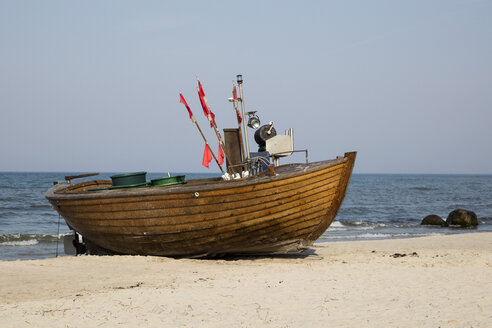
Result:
[434,220]
[462,218]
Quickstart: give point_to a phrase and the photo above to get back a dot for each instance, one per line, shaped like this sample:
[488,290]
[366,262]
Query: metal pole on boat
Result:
[245,132]
[239,119]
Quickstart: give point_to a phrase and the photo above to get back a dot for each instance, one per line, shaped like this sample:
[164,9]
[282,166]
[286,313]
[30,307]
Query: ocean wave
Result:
[354,226]
[40,206]
[25,207]
[2,186]
[29,242]
[361,236]
[8,214]
[353,223]
[336,224]
[476,198]
[335,229]
[21,239]
[346,226]
[424,188]
[377,236]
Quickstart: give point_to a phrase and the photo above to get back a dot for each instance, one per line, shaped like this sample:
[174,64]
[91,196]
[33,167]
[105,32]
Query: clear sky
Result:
[94,85]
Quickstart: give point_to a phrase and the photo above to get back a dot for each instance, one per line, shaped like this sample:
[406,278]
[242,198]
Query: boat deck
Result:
[288,170]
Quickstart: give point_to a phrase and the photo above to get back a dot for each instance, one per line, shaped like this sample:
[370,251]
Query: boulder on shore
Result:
[463,218]
[434,220]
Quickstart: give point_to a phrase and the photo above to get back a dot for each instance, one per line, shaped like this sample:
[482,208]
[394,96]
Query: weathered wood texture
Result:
[263,214]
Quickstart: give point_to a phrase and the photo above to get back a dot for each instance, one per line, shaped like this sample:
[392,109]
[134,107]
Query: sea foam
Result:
[30,242]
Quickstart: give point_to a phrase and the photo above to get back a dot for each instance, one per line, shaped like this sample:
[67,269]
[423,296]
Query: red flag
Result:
[239,117]
[204,105]
[200,89]
[221,155]
[206,110]
[234,95]
[183,101]
[207,156]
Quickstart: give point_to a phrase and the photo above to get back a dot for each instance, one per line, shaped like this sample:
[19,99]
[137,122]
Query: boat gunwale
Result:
[62,191]
[210,198]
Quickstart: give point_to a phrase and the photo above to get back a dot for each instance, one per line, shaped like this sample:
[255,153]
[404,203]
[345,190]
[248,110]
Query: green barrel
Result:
[129,179]
[168,181]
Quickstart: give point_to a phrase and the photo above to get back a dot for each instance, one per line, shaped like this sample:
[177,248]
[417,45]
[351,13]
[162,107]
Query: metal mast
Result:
[245,133]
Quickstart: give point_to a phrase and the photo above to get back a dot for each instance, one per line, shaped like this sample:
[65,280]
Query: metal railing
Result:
[293,151]
[257,164]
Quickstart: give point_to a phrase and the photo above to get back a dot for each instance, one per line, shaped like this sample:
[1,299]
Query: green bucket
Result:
[129,179]
[168,181]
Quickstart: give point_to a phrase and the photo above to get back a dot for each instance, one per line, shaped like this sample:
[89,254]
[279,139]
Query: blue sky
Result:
[94,85]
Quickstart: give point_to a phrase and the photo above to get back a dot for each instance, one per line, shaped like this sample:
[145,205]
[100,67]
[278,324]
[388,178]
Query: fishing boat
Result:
[269,209]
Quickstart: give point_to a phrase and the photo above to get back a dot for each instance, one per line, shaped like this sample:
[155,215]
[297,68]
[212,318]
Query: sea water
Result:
[380,206]
[376,206]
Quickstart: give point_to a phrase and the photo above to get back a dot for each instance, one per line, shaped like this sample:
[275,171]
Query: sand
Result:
[441,281]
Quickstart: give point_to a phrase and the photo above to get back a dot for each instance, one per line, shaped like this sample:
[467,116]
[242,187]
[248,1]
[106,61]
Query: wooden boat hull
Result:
[266,214]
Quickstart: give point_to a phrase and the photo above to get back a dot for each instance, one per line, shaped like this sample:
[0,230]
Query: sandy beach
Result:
[438,281]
